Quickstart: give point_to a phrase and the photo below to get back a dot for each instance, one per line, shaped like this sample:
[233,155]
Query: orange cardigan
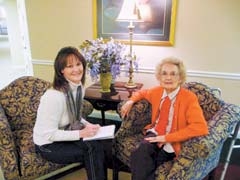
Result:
[188,119]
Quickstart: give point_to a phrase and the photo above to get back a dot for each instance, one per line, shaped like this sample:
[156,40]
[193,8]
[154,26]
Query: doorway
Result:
[15,54]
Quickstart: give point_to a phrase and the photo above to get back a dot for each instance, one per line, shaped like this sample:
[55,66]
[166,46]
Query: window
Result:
[3,22]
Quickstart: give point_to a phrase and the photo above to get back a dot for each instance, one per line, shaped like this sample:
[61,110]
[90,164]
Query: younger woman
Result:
[57,107]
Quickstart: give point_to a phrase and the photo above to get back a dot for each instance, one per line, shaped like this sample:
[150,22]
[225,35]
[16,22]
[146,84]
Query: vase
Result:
[105,82]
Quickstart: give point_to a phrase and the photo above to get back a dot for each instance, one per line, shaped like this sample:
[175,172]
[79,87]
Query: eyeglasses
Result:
[171,75]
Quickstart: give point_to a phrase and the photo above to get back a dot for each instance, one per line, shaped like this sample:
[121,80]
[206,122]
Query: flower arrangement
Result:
[104,56]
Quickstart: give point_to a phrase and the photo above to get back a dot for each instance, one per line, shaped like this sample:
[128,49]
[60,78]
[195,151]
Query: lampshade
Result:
[129,12]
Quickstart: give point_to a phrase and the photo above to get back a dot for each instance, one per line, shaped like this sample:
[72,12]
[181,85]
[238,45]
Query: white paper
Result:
[104,132]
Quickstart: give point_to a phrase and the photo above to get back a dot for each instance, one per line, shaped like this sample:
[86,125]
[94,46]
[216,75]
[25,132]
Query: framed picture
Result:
[155,24]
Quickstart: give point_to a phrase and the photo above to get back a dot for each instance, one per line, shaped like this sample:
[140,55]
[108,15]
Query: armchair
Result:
[199,156]
[18,107]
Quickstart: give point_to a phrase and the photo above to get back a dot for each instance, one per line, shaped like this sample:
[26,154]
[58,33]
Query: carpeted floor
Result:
[81,175]
[233,170]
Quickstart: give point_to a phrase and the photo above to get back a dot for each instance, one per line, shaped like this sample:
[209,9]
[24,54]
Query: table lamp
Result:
[130,13]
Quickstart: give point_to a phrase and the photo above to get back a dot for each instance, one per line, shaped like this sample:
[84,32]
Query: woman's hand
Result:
[160,140]
[126,108]
[89,130]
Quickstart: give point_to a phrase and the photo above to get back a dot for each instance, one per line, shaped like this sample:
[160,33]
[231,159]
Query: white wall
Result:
[207,37]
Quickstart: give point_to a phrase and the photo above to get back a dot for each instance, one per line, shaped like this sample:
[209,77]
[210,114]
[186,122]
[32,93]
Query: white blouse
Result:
[52,116]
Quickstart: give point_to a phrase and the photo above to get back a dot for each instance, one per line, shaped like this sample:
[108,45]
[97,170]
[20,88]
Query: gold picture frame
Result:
[158,28]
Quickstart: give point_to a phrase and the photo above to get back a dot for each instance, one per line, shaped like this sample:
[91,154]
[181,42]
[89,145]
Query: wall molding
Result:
[195,73]
[42,62]
[150,70]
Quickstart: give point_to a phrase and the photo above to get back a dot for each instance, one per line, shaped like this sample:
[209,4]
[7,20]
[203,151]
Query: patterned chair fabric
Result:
[18,107]
[200,155]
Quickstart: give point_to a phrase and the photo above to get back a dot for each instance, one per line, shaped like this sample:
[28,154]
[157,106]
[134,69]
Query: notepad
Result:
[104,132]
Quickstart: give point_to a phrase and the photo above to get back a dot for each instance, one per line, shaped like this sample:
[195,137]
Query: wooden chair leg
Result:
[115,170]
[115,174]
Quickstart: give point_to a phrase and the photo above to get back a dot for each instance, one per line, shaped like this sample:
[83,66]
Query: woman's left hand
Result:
[126,108]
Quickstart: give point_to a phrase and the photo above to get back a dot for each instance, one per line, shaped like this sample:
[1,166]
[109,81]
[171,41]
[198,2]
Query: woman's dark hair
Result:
[59,81]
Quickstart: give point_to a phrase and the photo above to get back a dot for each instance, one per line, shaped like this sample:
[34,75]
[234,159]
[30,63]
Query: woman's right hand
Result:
[89,130]
[126,108]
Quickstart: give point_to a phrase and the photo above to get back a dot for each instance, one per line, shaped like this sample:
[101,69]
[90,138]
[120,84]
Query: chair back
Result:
[20,100]
[209,98]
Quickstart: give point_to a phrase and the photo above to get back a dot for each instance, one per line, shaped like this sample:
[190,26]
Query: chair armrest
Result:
[220,127]
[137,119]
[8,154]
[86,109]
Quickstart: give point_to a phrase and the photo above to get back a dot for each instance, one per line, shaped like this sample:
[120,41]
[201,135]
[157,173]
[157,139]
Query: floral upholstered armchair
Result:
[18,107]
[199,156]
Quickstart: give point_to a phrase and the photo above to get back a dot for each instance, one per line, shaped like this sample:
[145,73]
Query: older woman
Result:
[176,117]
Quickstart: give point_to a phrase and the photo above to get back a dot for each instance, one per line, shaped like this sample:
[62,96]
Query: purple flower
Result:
[105,56]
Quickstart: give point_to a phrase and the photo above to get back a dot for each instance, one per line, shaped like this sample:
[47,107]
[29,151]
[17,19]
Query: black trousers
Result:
[146,158]
[90,153]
